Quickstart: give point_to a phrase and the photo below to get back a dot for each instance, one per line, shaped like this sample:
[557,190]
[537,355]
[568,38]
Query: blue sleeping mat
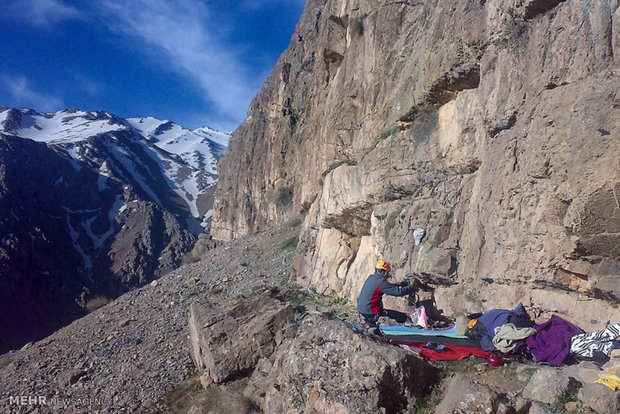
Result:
[408,330]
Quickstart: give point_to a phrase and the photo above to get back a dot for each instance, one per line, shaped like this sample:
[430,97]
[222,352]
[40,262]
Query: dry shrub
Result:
[189,258]
[96,303]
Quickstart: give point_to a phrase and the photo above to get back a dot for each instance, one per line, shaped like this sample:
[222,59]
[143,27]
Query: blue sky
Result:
[196,62]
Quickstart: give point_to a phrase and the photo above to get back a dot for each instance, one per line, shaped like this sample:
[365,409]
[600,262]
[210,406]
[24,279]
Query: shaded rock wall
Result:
[491,124]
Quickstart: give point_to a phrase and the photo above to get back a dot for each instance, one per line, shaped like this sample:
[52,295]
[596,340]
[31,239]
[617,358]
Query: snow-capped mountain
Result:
[92,204]
[187,160]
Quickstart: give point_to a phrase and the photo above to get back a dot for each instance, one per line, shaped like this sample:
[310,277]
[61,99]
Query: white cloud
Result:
[182,35]
[41,13]
[87,85]
[24,97]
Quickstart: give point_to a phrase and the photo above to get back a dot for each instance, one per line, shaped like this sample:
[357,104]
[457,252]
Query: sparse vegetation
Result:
[308,64]
[290,243]
[223,398]
[96,303]
[354,244]
[293,114]
[294,221]
[432,398]
[393,130]
[515,36]
[286,280]
[338,305]
[562,399]
[285,196]
[390,221]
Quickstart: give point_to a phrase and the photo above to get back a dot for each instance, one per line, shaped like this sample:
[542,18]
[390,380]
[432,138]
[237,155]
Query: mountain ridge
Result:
[121,205]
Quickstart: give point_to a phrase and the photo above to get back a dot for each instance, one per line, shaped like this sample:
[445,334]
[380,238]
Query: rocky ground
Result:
[126,356]
[136,355]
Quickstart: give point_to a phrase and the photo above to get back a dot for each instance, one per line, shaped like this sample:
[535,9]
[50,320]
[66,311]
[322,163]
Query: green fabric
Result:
[506,336]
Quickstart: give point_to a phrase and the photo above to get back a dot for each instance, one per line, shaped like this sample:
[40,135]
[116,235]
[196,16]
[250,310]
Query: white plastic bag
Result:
[418,235]
[418,317]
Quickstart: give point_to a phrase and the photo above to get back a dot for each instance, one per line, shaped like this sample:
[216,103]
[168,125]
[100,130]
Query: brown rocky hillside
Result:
[130,354]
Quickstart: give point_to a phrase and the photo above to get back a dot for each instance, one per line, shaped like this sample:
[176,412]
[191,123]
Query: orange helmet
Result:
[383,265]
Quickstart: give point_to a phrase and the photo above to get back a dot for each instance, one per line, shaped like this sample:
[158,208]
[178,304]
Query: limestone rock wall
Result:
[492,124]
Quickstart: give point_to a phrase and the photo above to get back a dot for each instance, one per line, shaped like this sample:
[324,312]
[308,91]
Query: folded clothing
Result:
[611,381]
[551,344]
[585,345]
[507,337]
[498,317]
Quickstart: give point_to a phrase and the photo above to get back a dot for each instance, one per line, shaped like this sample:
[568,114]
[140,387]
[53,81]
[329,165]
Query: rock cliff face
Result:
[491,124]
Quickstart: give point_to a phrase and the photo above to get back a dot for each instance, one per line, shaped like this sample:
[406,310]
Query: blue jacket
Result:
[370,300]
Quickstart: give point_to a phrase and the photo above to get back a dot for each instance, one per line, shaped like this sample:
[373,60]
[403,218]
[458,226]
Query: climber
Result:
[370,303]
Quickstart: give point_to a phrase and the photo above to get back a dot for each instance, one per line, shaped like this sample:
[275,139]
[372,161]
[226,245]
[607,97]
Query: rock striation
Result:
[228,344]
[491,124]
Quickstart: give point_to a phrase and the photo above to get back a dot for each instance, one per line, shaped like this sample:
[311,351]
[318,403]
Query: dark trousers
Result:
[372,320]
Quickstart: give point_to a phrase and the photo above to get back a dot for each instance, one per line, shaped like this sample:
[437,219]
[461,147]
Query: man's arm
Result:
[395,290]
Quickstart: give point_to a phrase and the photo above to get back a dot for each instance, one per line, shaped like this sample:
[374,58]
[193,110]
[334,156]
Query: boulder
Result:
[612,367]
[537,408]
[328,368]
[585,372]
[464,395]
[600,398]
[227,340]
[546,385]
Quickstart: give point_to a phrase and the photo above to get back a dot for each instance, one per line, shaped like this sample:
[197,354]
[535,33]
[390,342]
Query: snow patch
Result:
[88,263]
[171,146]
[117,208]
[206,218]
[104,169]
[65,127]
[84,210]
[3,116]
[99,240]
[130,166]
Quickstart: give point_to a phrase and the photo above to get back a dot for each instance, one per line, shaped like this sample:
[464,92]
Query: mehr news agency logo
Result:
[42,400]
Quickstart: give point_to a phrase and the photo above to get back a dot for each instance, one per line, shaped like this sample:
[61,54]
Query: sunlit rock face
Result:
[491,124]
